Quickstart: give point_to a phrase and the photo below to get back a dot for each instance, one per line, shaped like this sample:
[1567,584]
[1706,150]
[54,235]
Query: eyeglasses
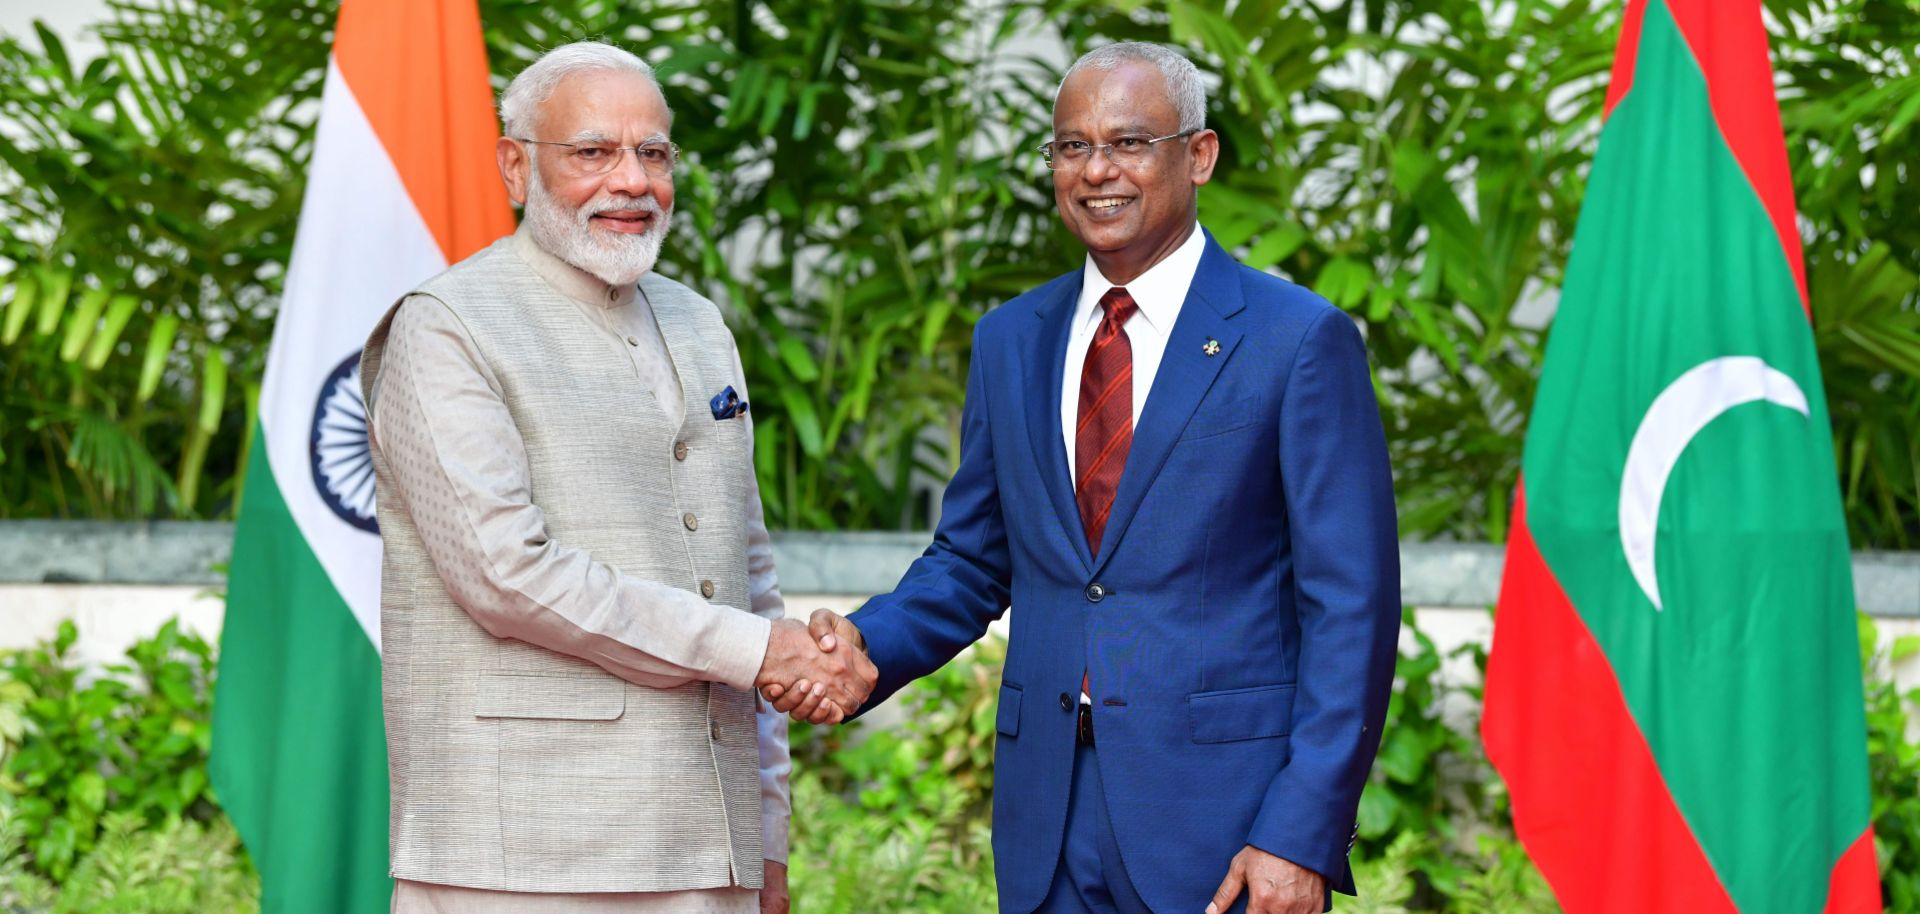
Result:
[589,160]
[1123,152]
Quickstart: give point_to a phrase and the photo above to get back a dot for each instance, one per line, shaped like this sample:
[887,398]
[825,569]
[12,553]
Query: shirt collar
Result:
[568,279]
[1159,292]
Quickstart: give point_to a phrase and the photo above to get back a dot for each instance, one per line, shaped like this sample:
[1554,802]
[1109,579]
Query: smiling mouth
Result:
[1103,206]
[624,221]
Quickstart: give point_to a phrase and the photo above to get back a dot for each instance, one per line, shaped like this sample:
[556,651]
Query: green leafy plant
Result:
[105,806]
[911,803]
[861,187]
[1430,778]
[177,867]
[1893,761]
[1851,73]
[132,739]
[151,201]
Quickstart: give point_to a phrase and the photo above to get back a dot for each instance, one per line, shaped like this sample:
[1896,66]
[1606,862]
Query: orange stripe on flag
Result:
[419,71]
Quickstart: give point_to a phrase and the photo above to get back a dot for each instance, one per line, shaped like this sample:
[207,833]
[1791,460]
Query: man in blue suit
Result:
[1172,465]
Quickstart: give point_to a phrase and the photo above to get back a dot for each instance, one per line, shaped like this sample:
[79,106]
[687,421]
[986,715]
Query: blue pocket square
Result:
[727,404]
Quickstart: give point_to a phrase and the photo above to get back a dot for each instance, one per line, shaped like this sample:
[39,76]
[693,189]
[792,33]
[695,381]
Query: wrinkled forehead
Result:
[616,106]
[1130,98]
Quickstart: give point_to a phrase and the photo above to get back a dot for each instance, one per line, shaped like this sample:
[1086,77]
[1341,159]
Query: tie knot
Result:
[1118,304]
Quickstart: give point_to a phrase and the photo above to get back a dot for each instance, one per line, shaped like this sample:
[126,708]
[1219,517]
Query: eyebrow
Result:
[1125,130]
[596,136]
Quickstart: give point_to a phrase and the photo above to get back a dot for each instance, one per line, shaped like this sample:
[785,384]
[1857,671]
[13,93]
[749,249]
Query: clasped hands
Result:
[818,672]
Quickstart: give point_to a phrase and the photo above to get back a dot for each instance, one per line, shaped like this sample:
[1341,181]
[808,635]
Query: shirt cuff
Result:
[740,650]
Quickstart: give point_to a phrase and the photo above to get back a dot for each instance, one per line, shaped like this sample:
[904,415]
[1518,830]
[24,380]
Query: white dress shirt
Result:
[1159,292]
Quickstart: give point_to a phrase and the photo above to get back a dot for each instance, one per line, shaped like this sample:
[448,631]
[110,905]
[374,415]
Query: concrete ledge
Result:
[846,564]
[104,552]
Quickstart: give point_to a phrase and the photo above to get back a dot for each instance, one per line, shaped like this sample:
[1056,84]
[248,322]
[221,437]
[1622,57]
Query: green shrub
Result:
[132,739]
[177,867]
[862,186]
[105,806]
[899,820]
[1894,764]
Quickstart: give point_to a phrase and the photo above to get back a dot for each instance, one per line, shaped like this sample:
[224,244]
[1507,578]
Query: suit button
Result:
[715,730]
[679,450]
[1066,702]
[1096,592]
[693,523]
[632,342]
[706,589]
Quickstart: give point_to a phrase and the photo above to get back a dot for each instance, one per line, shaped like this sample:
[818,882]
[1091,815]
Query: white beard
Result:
[618,259]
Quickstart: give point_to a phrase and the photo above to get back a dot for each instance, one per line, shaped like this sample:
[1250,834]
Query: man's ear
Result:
[514,165]
[1205,147]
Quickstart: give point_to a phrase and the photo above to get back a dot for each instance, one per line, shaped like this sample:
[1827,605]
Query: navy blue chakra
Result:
[338,451]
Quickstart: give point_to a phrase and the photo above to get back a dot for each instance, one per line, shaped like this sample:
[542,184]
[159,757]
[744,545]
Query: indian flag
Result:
[1674,693]
[402,183]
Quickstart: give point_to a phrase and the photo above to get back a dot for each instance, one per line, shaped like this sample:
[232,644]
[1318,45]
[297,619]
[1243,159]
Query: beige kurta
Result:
[438,371]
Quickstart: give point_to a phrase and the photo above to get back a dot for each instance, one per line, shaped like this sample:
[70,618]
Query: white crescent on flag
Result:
[1679,413]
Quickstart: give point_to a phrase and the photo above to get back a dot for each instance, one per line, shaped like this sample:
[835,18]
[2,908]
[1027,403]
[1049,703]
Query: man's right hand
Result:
[809,702]
[798,670]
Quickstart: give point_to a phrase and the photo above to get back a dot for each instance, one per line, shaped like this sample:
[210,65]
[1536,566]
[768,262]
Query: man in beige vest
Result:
[578,593]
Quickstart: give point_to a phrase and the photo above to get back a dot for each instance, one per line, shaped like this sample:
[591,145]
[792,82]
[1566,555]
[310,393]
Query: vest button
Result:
[1096,592]
[693,523]
[679,450]
[715,731]
[706,589]
[1066,702]
[632,342]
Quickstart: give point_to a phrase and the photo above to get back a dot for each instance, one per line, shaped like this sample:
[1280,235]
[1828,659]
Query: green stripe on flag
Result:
[299,753]
[1746,682]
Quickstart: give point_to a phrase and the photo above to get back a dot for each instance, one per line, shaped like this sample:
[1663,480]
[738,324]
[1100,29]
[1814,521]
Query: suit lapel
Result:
[1186,373]
[1046,360]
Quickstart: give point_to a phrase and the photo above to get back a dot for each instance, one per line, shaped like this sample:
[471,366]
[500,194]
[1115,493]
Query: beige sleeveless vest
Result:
[520,769]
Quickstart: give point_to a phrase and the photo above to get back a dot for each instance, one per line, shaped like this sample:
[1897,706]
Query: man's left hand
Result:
[1273,885]
[773,897]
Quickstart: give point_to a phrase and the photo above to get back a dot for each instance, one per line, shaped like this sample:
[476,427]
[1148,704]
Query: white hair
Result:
[1184,88]
[520,101]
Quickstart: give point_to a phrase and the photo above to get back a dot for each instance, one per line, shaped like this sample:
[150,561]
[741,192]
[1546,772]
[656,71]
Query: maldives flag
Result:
[402,183]
[1674,694]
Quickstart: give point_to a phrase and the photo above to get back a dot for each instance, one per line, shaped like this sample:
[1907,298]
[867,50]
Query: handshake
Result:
[818,672]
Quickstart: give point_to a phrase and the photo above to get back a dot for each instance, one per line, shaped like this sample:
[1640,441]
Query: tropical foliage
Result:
[862,187]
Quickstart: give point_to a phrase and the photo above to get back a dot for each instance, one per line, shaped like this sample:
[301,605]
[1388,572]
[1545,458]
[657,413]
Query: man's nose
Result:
[628,175]
[1099,167]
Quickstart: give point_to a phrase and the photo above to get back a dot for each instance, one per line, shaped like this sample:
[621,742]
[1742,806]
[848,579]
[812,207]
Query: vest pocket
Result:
[1237,714]
[516,695]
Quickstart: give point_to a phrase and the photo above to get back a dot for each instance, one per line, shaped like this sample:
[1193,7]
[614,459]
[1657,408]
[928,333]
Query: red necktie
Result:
[1105,430]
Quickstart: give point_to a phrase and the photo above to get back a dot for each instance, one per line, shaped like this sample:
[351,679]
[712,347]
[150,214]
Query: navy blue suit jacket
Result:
[1241,638]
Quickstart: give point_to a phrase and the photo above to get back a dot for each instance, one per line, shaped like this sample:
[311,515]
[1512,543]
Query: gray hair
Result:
[520,102]
[1184,87]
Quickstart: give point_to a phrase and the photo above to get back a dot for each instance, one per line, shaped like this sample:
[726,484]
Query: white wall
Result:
[67,18]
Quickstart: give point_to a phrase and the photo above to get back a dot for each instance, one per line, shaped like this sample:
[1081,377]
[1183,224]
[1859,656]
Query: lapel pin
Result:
[1212,347]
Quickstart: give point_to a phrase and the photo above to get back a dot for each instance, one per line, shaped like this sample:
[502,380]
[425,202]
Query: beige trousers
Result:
[429,898]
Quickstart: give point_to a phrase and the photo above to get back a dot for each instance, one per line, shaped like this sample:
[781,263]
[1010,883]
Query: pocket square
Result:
[728,405]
